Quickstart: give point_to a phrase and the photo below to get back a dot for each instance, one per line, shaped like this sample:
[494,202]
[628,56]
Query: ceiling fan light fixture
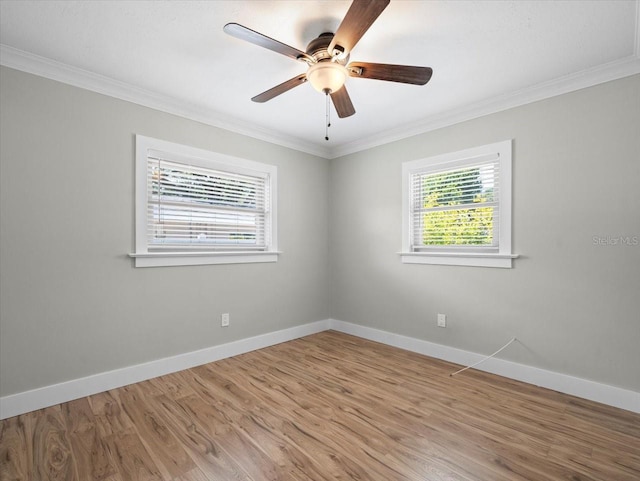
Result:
[325,76]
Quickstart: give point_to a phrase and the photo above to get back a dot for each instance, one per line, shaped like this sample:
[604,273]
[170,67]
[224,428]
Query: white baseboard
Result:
[602,393]
[27,401]
[58,393]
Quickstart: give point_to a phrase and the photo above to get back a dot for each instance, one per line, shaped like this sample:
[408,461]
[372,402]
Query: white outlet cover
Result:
[442,320]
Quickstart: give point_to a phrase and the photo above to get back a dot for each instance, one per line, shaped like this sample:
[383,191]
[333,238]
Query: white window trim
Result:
[204,158]
[503,258]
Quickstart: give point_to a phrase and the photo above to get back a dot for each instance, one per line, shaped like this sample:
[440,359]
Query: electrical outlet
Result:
[442,320]
[224,319]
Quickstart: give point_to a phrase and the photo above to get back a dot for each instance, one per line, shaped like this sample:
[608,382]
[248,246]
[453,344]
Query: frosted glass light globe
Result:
[327,75]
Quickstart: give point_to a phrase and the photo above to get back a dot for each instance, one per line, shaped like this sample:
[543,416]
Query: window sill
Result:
[473,259]
[160,259]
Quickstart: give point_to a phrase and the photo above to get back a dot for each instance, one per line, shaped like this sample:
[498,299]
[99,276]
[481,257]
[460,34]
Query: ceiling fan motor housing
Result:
[317,49]
[327,57]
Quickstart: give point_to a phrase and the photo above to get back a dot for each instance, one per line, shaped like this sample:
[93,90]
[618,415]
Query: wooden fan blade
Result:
[359,17]
[342,103]
[392,73]
[280,89]
[256,38]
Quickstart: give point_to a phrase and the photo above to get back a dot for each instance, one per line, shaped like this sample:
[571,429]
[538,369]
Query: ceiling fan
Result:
[327,58]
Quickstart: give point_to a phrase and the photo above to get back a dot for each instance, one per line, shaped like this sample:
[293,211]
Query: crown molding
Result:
[51,69]
[34,64]
[586,78]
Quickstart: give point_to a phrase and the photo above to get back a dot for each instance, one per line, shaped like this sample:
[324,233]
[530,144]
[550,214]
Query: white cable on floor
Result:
[483,360]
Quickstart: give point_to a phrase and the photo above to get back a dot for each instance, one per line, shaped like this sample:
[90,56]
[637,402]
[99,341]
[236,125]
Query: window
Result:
[457,208]
[199,207]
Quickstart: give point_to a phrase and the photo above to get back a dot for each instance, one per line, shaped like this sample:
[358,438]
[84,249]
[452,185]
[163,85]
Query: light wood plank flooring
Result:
[325,407]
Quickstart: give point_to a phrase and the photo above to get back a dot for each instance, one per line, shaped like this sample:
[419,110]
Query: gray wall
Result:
[574,305]
[71,303]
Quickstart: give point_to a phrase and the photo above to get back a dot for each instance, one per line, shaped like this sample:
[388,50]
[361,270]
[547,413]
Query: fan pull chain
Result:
[327,116]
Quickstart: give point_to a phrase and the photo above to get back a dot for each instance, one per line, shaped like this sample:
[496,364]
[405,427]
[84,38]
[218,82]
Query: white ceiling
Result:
[173,55]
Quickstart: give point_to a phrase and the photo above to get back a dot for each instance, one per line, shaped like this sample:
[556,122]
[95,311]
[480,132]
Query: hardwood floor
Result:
[325,407]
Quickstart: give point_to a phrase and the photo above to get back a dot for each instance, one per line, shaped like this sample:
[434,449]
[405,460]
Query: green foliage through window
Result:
[456,208]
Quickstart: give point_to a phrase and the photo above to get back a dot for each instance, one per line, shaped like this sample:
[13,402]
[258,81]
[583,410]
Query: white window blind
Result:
[194,208]
[456,207]
[198,207]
